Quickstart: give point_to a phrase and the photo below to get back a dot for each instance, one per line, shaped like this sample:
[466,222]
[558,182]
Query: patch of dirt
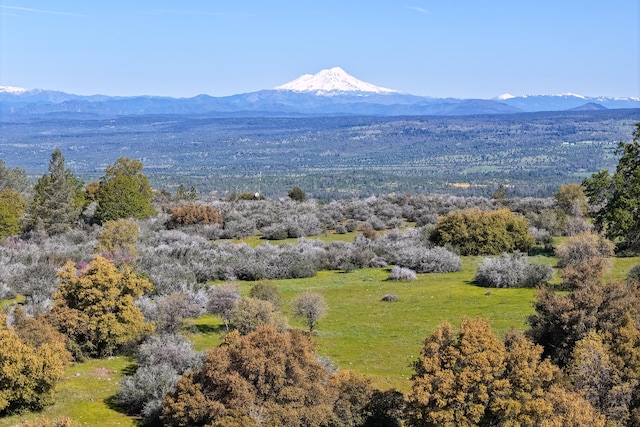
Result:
[102,372]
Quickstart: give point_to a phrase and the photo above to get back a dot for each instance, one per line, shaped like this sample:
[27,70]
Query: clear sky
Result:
[444,48]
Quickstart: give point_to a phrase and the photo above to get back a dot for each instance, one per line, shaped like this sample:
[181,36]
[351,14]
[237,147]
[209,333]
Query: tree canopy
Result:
[616,198]
[94,306]
[476,232]
[124,192]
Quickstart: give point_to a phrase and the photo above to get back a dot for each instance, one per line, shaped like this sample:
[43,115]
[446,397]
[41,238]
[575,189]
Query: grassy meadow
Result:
[360,332]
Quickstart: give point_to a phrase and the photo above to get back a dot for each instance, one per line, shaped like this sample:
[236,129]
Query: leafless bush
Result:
[403,274]
[510,271]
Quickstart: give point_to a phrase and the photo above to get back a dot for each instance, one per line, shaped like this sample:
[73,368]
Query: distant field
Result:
[360,332]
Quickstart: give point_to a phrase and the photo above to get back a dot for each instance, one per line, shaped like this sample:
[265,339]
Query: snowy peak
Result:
[504,97]
[12,89]
[331,81]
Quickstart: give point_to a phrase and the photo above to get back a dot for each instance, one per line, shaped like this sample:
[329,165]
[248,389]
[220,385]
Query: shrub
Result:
[273,375]
[172,350]
[143,392]
[169,311]
[251,313]
[475,232]
[95,307]
[425,260]
[266,291]
[28,373]
[634,274]
[511,271]
[297,194]
[193,213]
[222,300]
[582,248]
[118,238]
[401,273]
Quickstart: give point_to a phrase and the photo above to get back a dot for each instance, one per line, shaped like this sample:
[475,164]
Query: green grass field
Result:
[360,332]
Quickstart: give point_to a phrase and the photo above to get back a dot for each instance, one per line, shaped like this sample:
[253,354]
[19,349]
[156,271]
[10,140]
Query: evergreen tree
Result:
[124,192]
[616,198]
[11,212]
[13,179]
[58,198]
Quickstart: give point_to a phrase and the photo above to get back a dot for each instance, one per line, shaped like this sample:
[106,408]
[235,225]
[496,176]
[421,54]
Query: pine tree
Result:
[58,198]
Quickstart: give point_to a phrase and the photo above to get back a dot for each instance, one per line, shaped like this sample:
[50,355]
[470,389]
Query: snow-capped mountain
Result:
[564,101]
[12,89]
[330,82]
[330,92]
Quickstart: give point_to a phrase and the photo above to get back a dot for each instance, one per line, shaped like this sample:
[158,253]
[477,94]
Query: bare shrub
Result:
[401,273]
[428,260]
[583,247]
[309,306]
[222,300]
[511,271]
[172,350]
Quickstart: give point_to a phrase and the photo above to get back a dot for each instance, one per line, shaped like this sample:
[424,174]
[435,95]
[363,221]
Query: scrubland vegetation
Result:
[126,305]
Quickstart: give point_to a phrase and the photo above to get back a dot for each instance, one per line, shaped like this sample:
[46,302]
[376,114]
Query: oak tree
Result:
[124,192]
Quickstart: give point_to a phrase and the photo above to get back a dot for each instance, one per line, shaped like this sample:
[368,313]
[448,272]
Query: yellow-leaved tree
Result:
[29,370]
[94,307]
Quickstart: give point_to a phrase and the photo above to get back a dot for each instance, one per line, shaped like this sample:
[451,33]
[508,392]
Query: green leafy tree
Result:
[11,213]
[297,194]
[266,290]
[124,192]
[616,197]
[28,373]
[95,306]
[476,232]
[58,198]
[571,199]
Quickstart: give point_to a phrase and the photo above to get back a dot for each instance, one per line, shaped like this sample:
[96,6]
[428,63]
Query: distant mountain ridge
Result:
[331,92]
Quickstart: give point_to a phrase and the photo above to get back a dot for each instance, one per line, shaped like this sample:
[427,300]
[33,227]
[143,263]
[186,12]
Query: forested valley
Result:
[129,304]
[331,157]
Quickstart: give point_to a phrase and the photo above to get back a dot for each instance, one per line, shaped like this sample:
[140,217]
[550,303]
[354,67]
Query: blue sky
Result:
[454,48]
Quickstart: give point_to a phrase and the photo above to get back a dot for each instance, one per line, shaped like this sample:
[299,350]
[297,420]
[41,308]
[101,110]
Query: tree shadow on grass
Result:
[112,403]
[207,329]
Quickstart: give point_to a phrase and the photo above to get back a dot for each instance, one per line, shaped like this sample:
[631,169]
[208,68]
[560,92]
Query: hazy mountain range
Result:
[330,92]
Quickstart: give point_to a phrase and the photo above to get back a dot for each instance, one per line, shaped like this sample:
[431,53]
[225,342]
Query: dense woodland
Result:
[92,270]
